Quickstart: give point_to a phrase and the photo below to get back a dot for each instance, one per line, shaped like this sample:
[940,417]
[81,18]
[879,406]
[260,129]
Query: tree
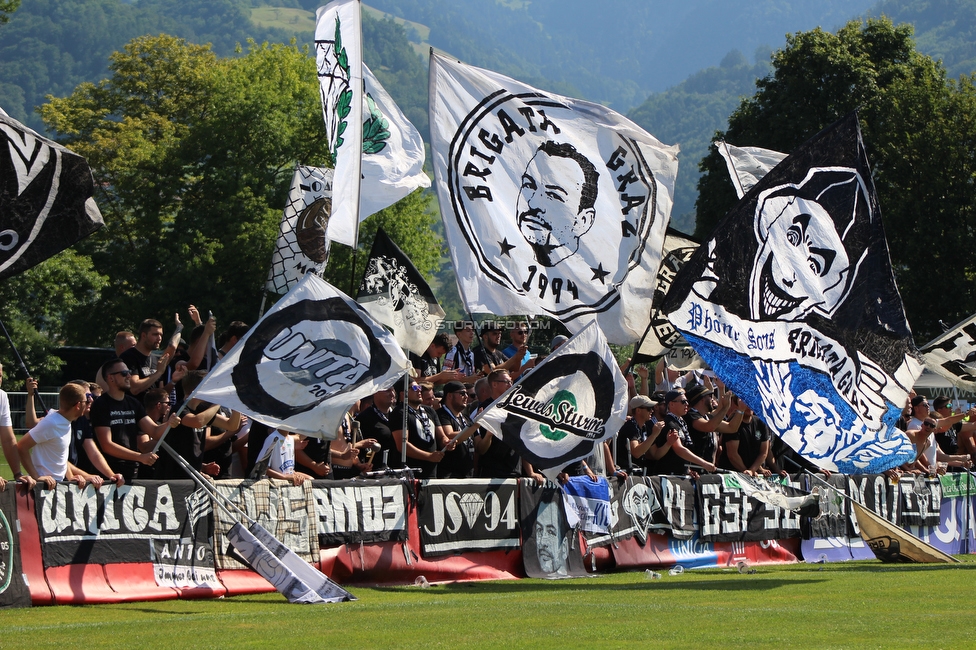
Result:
[7,7]
[192,156]
[919,129]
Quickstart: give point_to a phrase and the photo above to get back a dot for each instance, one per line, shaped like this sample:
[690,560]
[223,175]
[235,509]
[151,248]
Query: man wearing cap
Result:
[557,340]
[458,463]
[920,411]
[673,450]
[488,357]
[634,440]
[703,422]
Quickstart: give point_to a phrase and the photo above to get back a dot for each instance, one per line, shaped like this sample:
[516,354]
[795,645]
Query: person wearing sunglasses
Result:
[673,449]
[930,458]
[459,462]
[421,438]
[124,431]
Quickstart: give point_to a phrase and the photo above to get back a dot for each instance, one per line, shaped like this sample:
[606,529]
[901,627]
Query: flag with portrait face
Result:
[46,202]
[552,206]
[339,59]
[793,304]
[572,401]
[302,246]
[306,361]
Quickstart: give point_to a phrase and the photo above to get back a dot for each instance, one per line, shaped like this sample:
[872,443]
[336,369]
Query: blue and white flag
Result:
[587,504]
[306,361]
[793,304]
[571,402]
[552,206]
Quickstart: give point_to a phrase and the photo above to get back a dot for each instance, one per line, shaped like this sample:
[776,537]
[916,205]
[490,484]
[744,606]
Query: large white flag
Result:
[302,244]
[339,57]
[571,402]
[953,354]
[747,165]
[393,151]
[552,206]
[306,361]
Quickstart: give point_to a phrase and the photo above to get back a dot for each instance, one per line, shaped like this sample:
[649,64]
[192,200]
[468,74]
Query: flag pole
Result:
[22,365]
[405,437]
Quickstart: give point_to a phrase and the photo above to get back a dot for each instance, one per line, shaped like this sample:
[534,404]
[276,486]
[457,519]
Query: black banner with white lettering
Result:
[350,512]
[874,492]
[636,509]
[112,525]
[13,591]
[727,514]
[919,501]
[472,515]
[678,499]
[832,521]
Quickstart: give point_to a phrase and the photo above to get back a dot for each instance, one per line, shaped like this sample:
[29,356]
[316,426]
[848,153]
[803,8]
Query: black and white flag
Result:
[552,206]
[572,401]
[661,337]
[302,245]
[395,293]
[953,354]
[306,361]
[46,202]
[793,303]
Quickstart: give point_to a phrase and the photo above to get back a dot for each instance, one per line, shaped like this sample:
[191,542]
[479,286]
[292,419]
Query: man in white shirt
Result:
[9,441]
[44,449]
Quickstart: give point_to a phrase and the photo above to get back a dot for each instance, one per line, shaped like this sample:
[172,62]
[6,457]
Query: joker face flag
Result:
[302,245]
[395,293]
[661,337]
[552,206]
[306,361]
[339,58]
[575,399]
[45,198]
[793,304]
[953,354]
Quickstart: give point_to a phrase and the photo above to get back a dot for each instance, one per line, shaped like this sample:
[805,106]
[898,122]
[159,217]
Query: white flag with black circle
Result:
[552,206]
[306,361]
[302,245]
[556,414]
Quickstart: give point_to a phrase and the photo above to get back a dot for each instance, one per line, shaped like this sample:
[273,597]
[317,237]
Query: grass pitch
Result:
[858,605]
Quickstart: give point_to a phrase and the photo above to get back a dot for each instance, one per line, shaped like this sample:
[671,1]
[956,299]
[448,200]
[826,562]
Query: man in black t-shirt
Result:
[746,449]
[674,449]
[495,458]
[374,422]
[634,441]
[459,462]
[147,369]
[421,438]
[124,431]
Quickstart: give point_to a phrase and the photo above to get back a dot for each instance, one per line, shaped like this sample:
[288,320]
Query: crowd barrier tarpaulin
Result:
[550,548]
[353,512]
[471,515]
[286,511]
[13,588]
[728,514]
[636,509]
[955,532]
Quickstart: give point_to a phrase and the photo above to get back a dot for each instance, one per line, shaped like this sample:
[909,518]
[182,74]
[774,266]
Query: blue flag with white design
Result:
[793,303]
[587,504]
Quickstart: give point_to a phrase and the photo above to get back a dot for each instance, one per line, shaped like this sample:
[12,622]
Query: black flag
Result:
[395,293]
[45,198]
[793,303]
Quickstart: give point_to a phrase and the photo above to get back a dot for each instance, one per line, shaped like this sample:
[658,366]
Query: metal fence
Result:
[17,402]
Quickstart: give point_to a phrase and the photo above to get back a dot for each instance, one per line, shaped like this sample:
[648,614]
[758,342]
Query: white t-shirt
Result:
[279,449]
[5,420]
[52,436]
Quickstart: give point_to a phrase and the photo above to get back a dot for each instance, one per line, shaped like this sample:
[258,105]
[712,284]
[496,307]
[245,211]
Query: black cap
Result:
[454,387]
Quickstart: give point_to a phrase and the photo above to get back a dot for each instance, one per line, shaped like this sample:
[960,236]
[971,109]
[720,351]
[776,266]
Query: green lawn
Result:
[856,605]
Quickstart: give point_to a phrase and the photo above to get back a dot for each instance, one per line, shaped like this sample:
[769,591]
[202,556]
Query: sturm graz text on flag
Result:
[793,303]
[552,206]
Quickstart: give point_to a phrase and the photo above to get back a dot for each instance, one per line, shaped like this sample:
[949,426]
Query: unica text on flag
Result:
[552,206]
[306,361]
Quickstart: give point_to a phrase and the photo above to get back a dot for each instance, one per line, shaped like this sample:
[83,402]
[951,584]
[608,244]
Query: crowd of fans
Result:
[686,423]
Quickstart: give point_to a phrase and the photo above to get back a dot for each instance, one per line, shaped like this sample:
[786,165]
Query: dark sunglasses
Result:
[124,373]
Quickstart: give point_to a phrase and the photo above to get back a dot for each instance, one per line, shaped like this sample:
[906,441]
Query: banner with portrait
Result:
[793,304]
[552,206]
[550,548]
